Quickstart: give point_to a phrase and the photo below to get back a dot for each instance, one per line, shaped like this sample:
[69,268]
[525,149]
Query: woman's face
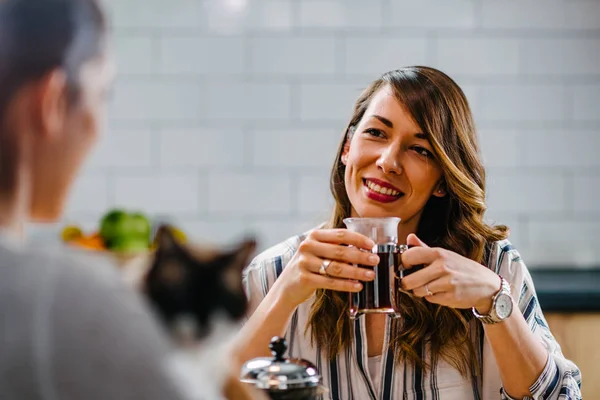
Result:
[61,150]
[390,168]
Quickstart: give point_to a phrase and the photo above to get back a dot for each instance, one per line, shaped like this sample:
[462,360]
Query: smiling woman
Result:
[410,151]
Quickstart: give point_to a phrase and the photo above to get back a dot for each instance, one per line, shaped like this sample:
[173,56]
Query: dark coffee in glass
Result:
[380,296]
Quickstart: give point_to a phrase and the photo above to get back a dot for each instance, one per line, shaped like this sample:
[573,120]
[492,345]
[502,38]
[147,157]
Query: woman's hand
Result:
[301,277]
[448,278]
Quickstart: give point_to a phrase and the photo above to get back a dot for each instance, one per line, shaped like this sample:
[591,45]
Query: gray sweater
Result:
[71,329]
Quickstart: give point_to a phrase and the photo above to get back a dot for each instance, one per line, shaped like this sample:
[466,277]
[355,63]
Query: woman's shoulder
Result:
[504,259]
[500,252]
[278,254]
[265,268]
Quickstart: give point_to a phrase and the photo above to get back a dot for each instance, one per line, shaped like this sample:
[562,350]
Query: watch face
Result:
[504,306]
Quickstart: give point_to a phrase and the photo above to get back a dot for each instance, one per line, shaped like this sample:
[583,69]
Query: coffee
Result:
[376,294]
[379,295]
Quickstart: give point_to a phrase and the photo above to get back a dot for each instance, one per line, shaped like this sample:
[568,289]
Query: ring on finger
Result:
[323,267]
[429,292]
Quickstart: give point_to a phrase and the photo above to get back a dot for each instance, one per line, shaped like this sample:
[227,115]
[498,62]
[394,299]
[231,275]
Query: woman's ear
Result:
[345,153]
[346,149]
[440,190]
[50,103]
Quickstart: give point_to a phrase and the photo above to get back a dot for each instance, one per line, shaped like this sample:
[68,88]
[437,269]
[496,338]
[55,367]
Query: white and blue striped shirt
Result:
[347,376]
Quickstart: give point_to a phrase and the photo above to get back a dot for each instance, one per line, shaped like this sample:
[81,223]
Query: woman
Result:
[410,151]
[70,330]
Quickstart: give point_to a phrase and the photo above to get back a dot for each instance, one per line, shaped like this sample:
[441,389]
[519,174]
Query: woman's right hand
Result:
[301,277]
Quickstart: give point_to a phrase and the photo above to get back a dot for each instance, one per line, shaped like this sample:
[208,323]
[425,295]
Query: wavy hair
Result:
[454,222]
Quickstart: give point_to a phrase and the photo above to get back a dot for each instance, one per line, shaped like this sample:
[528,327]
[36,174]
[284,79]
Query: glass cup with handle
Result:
[380,296]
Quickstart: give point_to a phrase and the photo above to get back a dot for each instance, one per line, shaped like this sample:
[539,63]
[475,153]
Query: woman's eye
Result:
[374,132]
[423,151]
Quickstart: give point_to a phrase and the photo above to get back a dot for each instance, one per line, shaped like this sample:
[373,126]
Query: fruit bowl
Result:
[123,238]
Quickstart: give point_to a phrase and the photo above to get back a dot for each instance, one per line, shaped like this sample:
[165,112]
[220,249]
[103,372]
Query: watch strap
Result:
[492,317]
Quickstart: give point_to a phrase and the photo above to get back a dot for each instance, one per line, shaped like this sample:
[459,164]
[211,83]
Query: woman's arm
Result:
[530,360]
[520,355]
[277,286]
[528,357]
[270,318]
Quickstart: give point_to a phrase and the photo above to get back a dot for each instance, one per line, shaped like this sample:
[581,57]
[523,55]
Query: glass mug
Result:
[380,296]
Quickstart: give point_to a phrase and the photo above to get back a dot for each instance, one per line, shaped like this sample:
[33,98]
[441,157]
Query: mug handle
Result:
[399,269]
[397,273]
[401,248]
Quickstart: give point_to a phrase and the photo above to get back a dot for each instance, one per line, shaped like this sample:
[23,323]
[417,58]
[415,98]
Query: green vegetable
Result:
[124,231]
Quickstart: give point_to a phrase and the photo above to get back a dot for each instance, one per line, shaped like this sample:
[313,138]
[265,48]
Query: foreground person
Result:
[71,329]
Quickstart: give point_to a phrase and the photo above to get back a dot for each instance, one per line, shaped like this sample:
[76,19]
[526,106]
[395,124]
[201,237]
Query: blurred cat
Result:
[197,294]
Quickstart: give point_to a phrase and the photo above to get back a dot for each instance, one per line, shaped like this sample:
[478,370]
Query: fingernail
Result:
[357,286]
[370,274]
[374,258]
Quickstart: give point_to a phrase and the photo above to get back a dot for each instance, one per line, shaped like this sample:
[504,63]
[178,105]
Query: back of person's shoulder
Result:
[40,266]
[33,278]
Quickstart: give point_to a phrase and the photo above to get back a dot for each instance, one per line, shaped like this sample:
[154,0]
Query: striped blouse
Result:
[348,377]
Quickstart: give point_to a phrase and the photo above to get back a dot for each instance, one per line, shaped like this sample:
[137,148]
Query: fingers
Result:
[424,276]
[342,236]
[332,283]
[419,256]
[413,240]
[344,254]
[343,249]
[346,281]
[435,287]
[443,298]
[342,270]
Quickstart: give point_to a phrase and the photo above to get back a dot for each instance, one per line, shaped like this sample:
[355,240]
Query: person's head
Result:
[411,151]
[54,75]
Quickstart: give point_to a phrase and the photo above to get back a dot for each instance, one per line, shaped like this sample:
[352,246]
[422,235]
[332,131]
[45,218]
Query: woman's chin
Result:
[369,211]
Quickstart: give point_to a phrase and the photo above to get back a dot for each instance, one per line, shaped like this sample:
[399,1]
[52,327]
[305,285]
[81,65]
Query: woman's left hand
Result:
[448,278]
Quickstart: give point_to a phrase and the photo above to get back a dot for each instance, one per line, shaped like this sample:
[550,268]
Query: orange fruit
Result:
[70,233]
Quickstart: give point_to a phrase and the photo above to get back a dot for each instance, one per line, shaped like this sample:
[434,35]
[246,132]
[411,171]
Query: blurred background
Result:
[226,114]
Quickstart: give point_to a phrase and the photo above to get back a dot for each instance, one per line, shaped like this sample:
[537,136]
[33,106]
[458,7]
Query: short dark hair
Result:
[37,36]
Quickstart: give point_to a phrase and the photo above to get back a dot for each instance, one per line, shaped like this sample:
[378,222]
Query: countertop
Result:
[567,289]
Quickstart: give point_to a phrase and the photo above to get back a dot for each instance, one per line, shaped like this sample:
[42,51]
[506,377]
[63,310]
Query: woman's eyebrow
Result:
[384,120]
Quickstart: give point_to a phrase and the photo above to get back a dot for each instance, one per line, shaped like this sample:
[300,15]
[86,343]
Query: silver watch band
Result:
[492,317]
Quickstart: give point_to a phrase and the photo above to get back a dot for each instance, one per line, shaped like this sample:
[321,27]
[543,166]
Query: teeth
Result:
[387,191]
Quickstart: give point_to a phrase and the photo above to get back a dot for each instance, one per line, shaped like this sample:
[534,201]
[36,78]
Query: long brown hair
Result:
[455,222]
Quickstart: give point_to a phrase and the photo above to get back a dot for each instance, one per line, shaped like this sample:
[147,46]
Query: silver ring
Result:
[429,293]
[323,267]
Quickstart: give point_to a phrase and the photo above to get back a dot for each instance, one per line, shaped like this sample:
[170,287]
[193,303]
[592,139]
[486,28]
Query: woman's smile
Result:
[381,191]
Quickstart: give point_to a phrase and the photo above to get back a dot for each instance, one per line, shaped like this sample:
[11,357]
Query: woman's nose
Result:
[389,161]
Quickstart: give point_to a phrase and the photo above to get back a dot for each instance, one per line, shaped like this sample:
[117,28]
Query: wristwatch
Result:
[502,306]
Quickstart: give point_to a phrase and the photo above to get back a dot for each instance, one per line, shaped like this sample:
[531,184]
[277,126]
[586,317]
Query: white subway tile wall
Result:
[226,114]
